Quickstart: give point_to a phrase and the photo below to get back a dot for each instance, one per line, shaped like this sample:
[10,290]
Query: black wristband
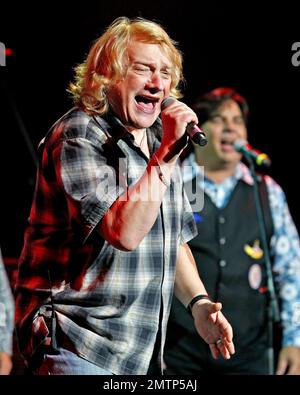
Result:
[194,300]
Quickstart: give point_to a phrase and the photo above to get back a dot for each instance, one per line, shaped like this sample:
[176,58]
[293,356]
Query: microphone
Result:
[193,131]
[245,148]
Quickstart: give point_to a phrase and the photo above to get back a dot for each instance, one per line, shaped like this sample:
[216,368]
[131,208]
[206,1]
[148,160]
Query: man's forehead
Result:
[228,105]
[140,52]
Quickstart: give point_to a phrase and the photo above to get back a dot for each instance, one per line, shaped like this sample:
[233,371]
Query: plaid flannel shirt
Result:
[110,303]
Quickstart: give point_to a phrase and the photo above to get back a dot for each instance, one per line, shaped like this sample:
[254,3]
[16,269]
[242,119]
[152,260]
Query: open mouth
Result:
[227,142]
[146,104]
[227,145]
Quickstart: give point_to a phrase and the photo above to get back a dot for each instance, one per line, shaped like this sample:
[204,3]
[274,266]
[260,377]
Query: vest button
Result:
[222,263]
[222,240]
[222,220]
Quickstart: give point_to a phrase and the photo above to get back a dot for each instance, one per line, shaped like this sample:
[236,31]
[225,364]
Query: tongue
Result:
[147,107]
[227,146]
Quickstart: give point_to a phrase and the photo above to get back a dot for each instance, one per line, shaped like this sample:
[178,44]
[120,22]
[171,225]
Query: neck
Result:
[136,133]
[140,140]
[218,175]
[217,171]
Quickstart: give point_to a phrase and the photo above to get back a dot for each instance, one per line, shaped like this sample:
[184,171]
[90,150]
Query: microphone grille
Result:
[239,144]
[166,102]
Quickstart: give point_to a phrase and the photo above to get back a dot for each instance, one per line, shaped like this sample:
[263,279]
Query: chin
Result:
[144,123]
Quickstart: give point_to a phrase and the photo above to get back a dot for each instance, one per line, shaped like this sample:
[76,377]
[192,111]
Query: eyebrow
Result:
[217,114]
[151,64]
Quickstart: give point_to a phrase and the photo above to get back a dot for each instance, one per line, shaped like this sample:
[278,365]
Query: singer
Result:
[228,251]
[97,270]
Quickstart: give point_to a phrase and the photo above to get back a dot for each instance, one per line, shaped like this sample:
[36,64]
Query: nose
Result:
[229,125]
[155,83]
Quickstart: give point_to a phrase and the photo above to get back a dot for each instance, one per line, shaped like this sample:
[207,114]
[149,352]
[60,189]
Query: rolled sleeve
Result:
[90,181]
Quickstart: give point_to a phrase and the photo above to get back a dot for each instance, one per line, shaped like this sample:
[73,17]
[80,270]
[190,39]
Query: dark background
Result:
[244,46]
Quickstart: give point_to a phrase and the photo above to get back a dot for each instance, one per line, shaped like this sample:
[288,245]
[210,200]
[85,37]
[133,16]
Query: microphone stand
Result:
[20,123]
[272,303]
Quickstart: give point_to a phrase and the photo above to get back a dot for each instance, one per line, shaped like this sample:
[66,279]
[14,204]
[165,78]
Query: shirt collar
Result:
[114,129]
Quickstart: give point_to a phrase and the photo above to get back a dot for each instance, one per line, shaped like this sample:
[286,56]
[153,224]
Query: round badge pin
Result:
[255,276]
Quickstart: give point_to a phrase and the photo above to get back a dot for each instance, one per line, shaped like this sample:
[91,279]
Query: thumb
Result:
[214,307]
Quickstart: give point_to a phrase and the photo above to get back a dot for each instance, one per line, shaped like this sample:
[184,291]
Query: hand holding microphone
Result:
[193,131]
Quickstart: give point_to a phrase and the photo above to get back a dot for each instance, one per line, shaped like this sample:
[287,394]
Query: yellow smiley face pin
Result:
[255,252]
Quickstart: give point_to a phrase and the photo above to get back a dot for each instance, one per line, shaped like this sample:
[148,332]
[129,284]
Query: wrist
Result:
[174,147]
[164,171]
[195,300]
[166,157]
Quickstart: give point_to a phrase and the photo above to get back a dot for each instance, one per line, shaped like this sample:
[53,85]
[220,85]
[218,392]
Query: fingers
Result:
[179,113]
[224,351]
[293,371]
[289,368]
[214,351]
[179,107]
[225,327]
[223,347]
[228,345]
[289,361]
[281,367]
[215,329]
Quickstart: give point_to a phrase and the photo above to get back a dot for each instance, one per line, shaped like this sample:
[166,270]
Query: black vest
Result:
[224,265]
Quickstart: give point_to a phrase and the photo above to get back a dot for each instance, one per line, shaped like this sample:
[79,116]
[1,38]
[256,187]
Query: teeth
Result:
[146,100]
[226,142]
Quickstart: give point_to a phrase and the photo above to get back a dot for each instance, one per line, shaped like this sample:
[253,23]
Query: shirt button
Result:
[222,220]
[222,263]
[222,240]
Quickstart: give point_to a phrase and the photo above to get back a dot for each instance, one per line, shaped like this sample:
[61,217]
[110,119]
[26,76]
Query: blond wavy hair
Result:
[107,62]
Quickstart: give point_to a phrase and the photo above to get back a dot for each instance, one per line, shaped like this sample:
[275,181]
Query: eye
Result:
[165,73]
[141,69]
[217,120]
[239,121]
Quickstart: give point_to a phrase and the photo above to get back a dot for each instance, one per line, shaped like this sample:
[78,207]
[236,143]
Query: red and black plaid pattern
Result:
[106,301]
